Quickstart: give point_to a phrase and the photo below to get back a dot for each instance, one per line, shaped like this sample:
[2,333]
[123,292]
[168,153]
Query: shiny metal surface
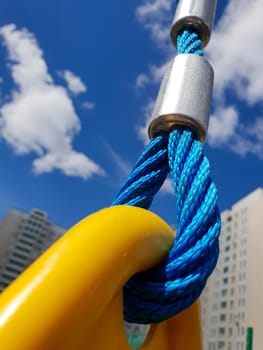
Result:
[184,96]
[194,14]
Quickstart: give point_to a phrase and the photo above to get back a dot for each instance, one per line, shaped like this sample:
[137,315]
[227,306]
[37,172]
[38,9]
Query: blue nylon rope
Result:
[168,289]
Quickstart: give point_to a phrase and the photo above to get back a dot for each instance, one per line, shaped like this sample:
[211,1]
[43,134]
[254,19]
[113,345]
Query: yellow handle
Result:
[71,297]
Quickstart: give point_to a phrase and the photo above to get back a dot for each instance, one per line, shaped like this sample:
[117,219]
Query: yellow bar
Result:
[71,297]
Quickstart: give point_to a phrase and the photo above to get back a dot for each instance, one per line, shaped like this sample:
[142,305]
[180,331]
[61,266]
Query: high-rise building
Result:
[232,302]
[23,237]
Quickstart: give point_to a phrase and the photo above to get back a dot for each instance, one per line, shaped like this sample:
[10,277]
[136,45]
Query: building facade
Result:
[23,237]
[232,302]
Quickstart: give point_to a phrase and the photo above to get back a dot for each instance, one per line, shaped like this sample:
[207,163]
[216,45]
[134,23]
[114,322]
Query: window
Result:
[3,285]
[223,304]
[20,256]
[243,241]
[241,302]
[227,248]
[242,276]
[221,345]
[241,316]
[216,283]
[222,317]
[213,319]
[38,213]
[221,331]
[242,289]
[28,235]
[25,242]
[225,269]
[8,277]
[17,263]
[10,269]
[215,295]
[242,264]
[224,292]
[225,280]
[214,307]
[212,332]
[240,346]
[23,249]
[243,252]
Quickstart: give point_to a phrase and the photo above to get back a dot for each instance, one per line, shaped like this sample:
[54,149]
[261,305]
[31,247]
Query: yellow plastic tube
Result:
[71,297]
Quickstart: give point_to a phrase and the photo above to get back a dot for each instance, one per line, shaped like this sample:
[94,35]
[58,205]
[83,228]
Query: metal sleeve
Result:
[194,14]
[184,96]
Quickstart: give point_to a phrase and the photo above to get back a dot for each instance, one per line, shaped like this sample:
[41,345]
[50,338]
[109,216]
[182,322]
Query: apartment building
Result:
[23,237]
[232,302]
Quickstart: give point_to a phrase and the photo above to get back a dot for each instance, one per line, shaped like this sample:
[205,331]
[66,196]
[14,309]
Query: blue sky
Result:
[78,81]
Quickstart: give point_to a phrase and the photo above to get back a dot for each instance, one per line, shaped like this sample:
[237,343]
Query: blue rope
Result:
[168,289]
[188,42]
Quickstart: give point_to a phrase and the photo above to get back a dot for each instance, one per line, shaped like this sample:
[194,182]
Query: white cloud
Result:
[88,105]
[257,129]
[75,84]
[142,130]
[251,142]
[154,75]
[235,51]
[123,168]
[152,8]
[40,116]
[156,17]
[222,125]
[141,80]
[168,186]
[157,72]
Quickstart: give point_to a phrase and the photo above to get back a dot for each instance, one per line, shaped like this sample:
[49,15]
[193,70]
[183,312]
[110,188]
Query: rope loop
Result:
[168,289]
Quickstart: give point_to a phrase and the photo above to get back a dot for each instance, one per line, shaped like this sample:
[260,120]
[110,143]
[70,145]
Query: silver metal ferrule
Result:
[184,97]
[194,14]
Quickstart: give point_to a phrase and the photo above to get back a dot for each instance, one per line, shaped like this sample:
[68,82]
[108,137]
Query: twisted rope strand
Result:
[190,261]
[189,42]
[171,287]
[148,175]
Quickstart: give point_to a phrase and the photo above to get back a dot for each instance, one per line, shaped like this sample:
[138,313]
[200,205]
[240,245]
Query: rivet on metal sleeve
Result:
[184,97]
[194,14]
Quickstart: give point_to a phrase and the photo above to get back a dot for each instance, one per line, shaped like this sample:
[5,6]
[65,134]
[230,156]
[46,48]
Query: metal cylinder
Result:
[194,14]
[184,96]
